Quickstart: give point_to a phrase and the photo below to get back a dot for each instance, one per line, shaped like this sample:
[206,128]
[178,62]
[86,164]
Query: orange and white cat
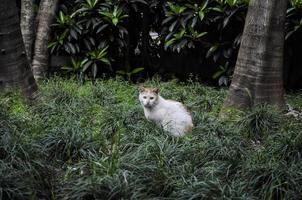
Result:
[171,115]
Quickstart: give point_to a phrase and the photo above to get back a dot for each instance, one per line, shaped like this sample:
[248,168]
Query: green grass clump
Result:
[261,121]
[92,141]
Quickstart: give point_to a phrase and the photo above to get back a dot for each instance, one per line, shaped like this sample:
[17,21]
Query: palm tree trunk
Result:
[258,73]
[27,26]
[45,16]
[14,66]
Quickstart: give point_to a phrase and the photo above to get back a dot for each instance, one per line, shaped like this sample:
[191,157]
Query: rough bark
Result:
[27,26]
[258,73]
[45,16]
[14,66]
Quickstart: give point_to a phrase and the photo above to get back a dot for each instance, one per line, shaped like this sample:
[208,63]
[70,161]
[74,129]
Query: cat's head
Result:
[148,97]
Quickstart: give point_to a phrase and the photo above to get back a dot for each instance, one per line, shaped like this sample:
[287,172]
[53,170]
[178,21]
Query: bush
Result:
[127,37]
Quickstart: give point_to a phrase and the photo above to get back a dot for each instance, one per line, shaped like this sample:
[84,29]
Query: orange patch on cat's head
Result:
[150,90]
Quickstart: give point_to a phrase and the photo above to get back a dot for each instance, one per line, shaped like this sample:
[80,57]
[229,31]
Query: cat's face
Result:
[148,96]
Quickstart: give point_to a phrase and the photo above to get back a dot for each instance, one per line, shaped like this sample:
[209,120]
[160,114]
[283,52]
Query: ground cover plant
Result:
[91,141]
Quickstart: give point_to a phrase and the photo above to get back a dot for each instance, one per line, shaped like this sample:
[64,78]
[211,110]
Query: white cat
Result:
[171,115]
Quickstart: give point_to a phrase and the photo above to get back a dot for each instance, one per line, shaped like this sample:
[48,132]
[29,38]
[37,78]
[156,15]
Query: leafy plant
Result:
[114,17]
[70,31]
[181,21]
[142,33]
[94,59]
[89,31]
[131,73]
[222,75]
[260,122]
[75,66]
[296,3]
[295,22]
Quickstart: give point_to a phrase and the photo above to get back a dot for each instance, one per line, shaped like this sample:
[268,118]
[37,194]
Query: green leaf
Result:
[89,3]
[104,49]
[142,1]
[181,9]
[124,16]
[180,34]
[204,5]
[297,27]
[102,28]
[217,9]
[84,61]
[87,65]
[73,34]
[95,2]
[62,17]
[107,14]
[71,47]
[170,42]
[289,34]
[223,80]
[201,15]
[172,26]
[171,6]
[67,68]
[121,72]
[136,70]
[94,70]
[115,21]
[201,34]
[73,61]
[106,61]
[51,44]
[217,74]
[194,21]
[212,50]
[169,18]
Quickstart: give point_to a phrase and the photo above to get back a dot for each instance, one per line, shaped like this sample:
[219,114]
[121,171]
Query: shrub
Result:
[127,37]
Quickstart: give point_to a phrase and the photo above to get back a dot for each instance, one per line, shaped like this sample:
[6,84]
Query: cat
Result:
[171,115]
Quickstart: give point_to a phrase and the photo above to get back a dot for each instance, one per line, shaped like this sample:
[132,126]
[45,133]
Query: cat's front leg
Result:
[147,115]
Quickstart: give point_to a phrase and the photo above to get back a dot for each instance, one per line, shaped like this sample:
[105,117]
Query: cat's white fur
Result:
[171,115]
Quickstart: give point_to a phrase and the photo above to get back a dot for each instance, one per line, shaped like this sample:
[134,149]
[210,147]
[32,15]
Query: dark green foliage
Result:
[24,173]
[260,121]
[91,141]
[87,26]
[88,30]
[136,37]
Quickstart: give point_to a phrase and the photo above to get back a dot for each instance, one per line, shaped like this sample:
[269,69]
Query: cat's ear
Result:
[141,89]
[155,90]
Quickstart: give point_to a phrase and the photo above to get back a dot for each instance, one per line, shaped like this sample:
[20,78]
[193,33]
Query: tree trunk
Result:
[14,66]
[45,16]
[27,26]
[258,73]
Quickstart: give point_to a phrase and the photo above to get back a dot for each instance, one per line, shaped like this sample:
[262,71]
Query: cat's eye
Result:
[151,98]
[144,97]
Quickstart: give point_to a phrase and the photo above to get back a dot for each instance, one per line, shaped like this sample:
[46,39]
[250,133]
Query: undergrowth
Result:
[92,141]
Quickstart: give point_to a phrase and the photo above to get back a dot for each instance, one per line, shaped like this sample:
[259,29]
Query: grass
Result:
[93,142]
